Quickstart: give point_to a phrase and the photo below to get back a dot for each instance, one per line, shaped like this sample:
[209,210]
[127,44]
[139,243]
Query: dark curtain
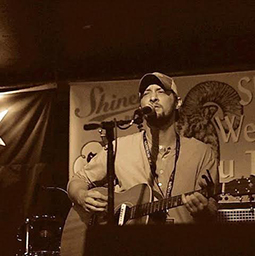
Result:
[26,143]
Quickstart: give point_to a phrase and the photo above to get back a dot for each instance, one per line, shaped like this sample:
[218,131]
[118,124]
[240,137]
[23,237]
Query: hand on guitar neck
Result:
[198,203]
[195,203]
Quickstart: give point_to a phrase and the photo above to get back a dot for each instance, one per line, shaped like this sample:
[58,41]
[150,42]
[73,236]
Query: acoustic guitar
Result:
[135,206]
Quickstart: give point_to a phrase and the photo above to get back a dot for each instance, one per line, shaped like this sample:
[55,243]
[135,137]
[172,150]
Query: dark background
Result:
[58,41]
[49,40]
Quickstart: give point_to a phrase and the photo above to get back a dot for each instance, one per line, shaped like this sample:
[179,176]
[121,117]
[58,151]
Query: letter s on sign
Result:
[242,89]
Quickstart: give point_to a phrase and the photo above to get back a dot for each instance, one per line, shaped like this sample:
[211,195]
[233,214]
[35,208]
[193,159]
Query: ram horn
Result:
[202,102]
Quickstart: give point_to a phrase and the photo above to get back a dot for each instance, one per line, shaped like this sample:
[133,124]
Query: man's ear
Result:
[179,103]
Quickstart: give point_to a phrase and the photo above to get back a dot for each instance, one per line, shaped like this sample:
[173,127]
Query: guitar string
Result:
[148,208]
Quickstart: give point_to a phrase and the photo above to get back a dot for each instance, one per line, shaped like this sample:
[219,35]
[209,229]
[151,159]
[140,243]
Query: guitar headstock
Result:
[240,187]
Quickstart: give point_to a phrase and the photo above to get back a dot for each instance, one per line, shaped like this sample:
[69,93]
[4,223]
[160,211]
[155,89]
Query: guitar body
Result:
[78,220]
[139,206]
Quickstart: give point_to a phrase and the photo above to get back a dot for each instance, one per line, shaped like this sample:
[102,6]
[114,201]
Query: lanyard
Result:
[153,165]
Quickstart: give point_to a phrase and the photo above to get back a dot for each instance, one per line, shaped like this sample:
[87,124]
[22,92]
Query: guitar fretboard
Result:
[156,206]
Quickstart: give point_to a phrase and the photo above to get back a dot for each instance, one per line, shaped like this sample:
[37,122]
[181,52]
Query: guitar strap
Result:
[152,164]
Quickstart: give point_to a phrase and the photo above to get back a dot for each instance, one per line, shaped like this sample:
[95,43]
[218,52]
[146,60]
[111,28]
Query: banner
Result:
[24,141]
[217,109]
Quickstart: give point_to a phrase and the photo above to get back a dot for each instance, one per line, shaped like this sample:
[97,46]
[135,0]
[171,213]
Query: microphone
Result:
[145,111]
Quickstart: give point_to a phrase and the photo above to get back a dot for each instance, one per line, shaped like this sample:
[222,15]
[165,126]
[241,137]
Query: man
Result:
[171,164]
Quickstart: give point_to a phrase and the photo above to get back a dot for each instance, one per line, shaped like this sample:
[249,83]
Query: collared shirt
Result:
[132,168]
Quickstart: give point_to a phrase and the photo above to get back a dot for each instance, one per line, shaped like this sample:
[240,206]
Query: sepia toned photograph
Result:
[127,128]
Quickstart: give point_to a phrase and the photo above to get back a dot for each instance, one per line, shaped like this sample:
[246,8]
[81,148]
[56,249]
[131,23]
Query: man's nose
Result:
[153,97]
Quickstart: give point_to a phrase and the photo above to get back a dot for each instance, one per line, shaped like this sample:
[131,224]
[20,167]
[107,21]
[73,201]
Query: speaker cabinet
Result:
[236,215]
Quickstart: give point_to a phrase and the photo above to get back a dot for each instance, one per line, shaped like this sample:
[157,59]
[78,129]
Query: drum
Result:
[40,236]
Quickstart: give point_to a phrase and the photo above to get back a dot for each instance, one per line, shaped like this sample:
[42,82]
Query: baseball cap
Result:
[166,82]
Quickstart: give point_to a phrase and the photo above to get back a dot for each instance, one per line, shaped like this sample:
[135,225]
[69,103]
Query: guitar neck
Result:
[161,205]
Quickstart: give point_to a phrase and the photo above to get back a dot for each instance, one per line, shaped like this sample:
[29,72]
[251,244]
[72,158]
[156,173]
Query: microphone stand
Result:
[109,128]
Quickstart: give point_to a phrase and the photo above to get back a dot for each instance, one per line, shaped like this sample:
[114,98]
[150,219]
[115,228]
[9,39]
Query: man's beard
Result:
[158,121]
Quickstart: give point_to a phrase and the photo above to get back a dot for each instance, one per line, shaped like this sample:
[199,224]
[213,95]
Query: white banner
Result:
[218,109]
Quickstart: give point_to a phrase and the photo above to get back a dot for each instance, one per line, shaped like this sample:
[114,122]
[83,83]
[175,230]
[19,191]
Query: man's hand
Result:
[195,203]
[92,200]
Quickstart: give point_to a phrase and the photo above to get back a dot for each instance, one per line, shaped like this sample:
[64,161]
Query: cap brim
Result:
[147,80]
